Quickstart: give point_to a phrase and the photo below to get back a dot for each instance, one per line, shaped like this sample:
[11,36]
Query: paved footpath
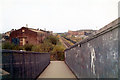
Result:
[57,69]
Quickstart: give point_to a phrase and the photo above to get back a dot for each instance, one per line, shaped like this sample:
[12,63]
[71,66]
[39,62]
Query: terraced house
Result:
[27,35]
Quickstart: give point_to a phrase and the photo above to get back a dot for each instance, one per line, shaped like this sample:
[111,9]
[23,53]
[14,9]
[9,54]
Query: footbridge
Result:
[96,57]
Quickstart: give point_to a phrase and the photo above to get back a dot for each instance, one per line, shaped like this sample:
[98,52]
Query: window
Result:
[27,42]
[23,30]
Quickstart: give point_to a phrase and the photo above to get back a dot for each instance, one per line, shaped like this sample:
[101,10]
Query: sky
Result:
[57,15]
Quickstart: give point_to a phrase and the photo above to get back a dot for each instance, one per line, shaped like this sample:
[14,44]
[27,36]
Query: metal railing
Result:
[70,40]
[23,64]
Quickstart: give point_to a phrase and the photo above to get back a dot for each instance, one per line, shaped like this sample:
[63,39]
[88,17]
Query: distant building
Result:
[72,32]
[80,32]
[27,35]
[6,35]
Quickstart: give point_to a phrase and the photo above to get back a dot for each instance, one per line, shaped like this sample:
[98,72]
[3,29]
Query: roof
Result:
[83,30]
[36,30]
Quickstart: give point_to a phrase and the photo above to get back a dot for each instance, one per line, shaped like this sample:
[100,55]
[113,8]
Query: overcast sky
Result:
[57,15]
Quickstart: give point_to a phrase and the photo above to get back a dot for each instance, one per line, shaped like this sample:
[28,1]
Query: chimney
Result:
[26,25]
[37,28]
[45,29]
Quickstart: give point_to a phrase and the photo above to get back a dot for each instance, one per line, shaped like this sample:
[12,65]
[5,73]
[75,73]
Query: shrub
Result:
[37,48]
[52,39]
[28,47]
[58,52]
[48,47]
[7,45]
[15,47]
[11,46]
[44,47]
[21,48]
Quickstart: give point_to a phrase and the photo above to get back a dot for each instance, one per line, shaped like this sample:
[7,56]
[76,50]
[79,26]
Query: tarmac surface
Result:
[57,69]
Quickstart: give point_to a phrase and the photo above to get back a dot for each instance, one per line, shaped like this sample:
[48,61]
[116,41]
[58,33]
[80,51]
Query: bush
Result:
[28,47]
[11,46]
[7,45]
[52,39]
[44,47]
[21,48]
[48,47]
[15,47]
[58,52]
[38,48]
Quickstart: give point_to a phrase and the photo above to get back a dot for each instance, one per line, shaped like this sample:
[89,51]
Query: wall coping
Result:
[17,51]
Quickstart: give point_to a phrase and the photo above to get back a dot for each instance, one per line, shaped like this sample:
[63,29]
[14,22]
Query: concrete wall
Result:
[23,64]
[97,56]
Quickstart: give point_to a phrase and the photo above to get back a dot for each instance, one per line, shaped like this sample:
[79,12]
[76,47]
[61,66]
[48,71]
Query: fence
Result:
[98,55]
[24,65]
[70,40]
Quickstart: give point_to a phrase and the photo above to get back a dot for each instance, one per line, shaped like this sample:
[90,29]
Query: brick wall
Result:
[30,36]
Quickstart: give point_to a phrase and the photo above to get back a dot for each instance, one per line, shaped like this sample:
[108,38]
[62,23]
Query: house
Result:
[81,32]
[27,35]
[5,36]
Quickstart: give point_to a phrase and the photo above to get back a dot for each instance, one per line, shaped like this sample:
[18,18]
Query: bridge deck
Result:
[57,69]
